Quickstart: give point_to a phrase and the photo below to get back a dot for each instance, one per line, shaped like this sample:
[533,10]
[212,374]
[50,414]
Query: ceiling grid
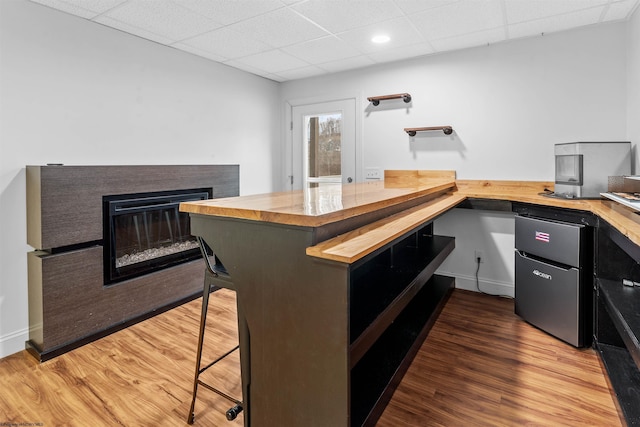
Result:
[290,39]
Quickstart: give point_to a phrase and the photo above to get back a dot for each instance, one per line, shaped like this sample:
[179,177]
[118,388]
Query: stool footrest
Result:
[221,393]
[219,359]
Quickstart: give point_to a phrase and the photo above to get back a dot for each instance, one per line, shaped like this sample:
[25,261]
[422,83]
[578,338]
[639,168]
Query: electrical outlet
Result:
[373,173]
[476,255]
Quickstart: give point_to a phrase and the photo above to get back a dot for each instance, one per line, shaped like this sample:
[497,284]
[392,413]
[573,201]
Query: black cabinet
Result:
[617,316]
[394,299]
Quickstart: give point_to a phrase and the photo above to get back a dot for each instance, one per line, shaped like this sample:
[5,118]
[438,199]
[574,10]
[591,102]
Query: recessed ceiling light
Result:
[381,38]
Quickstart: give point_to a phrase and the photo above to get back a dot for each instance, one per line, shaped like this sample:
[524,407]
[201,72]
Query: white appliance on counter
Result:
[583,168]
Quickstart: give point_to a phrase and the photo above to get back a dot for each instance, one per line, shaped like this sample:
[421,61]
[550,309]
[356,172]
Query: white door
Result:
[323,144]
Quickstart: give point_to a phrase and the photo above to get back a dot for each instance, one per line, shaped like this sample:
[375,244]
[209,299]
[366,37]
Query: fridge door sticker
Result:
[542,236]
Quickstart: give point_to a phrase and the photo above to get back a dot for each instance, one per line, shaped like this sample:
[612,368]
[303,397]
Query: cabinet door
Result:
[548,296]
[557,241]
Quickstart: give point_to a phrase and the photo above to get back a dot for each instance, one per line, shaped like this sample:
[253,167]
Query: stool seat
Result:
[219,280]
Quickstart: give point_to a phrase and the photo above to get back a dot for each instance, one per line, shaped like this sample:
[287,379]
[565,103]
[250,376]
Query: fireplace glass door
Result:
[147,232]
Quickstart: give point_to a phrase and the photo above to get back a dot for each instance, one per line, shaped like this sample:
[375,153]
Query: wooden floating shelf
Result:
[448,130]
[375,100]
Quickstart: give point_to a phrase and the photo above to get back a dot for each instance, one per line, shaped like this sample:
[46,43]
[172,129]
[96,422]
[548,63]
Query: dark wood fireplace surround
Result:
[69,305]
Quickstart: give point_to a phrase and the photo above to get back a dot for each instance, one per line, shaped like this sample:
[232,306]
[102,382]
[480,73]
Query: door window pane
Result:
[324,148]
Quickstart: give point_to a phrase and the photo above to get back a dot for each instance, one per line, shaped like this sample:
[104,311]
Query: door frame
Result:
[287,156]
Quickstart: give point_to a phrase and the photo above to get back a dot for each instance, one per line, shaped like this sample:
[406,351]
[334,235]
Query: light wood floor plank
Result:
[484,366]
[480,366]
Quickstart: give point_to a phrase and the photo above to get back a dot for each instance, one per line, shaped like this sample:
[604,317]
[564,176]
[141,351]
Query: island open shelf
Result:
[375,376]
[382,287]
[394,299]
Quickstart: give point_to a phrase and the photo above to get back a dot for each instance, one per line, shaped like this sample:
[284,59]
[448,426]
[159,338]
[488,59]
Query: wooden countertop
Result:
[350,247]
[314,207]
[624,219]
[318,206]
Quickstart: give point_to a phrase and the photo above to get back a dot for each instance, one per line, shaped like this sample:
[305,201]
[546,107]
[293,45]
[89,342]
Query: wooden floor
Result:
[480,365]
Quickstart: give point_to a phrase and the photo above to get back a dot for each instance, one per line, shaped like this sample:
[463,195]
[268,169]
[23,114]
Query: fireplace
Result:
[147,232]
[69,304]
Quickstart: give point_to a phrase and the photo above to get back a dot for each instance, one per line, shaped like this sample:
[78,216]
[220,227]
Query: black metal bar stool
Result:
[215,276]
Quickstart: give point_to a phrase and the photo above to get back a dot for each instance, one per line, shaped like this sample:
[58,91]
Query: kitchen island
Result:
[324,340]
[336,286]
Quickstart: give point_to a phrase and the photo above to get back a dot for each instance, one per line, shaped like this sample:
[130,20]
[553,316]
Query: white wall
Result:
[509,104]
[78,93]
[633,84]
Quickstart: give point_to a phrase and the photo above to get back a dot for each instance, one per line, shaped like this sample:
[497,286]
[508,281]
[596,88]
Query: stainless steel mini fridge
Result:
[552,288]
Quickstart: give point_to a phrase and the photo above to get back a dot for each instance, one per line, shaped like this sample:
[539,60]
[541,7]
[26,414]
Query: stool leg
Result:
[245,365]
[203,323]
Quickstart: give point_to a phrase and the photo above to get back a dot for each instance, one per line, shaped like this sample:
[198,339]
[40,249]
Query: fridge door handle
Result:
[545,261]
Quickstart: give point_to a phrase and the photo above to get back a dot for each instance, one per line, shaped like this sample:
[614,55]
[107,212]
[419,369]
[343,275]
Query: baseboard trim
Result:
[13,342]
[486,286]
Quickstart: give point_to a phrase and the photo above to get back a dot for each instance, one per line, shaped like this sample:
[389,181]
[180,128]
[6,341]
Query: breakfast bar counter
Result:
[325,204]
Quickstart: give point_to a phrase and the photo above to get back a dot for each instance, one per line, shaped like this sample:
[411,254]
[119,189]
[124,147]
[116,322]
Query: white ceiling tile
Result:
[109,22]
[413,6]
[529,10]
[98,6]
[401,53]
[199,52]
[465,16]
[84,9]
[555,23]
[342,15]
[230,11]
[279,28]
[480,38]
[274,77]
[162,17]
[273,61]
[245,67]
[619,10]
[228,43]
[301,73]
[400,30]
[347,64]
[320,50]
[285,39]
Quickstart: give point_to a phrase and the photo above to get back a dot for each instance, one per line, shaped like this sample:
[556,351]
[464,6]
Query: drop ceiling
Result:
[291,39]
